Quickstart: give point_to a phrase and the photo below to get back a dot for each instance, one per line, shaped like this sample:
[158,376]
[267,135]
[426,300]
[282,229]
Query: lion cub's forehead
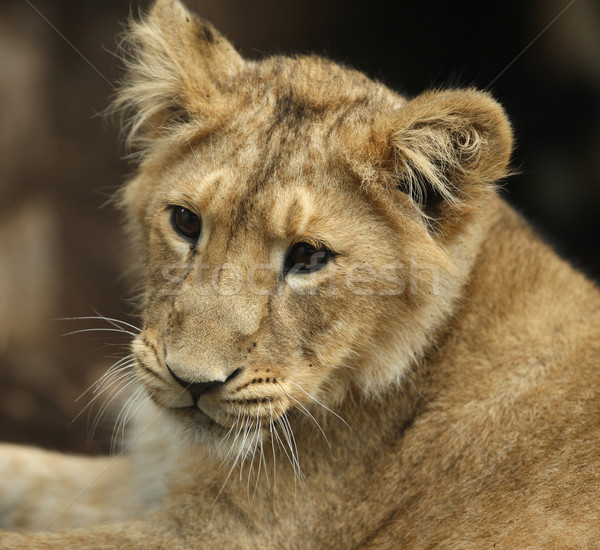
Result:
[275,161]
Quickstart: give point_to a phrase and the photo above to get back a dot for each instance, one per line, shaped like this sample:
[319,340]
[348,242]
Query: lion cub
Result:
[348,340]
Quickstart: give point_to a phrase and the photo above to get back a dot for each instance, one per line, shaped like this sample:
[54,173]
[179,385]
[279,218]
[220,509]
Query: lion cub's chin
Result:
[234,439]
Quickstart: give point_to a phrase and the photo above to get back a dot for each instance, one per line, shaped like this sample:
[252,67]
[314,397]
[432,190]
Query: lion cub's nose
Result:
[198,388]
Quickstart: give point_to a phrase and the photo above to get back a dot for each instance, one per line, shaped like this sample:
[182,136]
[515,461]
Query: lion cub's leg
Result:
[48,490]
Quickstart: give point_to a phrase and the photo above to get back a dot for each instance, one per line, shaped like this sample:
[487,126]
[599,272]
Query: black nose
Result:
[198,388]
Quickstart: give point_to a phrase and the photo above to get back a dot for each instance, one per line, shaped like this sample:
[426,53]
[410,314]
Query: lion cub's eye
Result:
[186,223]
[304,258]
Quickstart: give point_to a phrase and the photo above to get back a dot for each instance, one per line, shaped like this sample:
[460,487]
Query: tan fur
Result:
[434,385]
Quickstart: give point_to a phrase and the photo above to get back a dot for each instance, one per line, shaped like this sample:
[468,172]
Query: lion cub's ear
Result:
[175,64]
[445,148]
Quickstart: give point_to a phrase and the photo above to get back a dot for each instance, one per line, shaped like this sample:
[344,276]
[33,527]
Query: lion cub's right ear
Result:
[175,64]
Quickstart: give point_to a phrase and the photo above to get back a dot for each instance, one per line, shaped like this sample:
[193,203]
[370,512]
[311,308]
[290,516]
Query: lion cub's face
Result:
[289,253]
[269,270]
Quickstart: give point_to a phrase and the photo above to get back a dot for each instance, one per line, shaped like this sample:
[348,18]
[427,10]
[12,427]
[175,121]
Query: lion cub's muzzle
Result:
[224,393]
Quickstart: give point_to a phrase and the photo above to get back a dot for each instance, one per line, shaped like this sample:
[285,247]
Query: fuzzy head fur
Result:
[276,152]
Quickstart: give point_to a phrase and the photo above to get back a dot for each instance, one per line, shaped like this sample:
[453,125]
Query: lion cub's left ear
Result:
[445,148]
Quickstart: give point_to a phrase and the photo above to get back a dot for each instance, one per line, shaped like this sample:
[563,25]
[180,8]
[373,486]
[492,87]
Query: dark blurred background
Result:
[62,253]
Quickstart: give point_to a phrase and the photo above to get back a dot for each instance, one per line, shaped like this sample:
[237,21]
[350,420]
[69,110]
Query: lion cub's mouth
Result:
[220,410]
[260,412]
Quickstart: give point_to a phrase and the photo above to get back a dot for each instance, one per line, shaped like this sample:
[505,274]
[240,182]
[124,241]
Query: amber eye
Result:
[304,258]
[186,223]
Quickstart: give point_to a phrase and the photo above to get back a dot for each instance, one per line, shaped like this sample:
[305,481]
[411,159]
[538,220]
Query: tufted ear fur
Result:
[175,63]
[444,148]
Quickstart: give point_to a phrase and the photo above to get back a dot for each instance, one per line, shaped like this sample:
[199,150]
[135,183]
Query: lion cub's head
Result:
[305,230]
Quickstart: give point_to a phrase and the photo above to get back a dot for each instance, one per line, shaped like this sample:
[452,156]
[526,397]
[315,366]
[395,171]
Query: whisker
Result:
[100,329]
[306,412]
[228,434]
[113,321]
[273,448]
[319,403]
[116,366]
[292,457]
[250,467]
[288,432]
[262,461]
[123,375]
[100,317]
[234,447]
[123,372]
[120,373]
[239,452]
[283,448]
[244,449]
[107,404]
[254,445]
[125,364]
[123,417]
